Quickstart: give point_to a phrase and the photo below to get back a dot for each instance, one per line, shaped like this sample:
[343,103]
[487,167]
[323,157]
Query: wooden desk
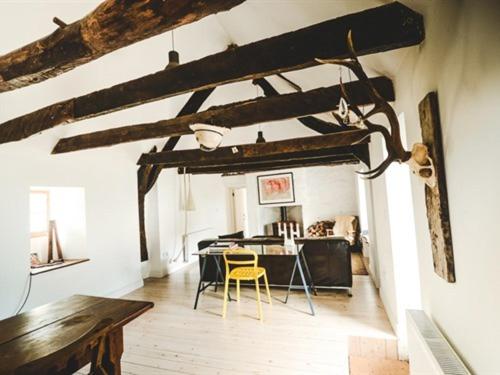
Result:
[63,336]
[297,253]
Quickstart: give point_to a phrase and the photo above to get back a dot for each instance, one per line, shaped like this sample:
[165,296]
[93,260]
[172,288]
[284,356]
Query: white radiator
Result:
[429,352]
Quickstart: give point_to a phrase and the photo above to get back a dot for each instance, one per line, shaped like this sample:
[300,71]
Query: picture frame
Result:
[277,188]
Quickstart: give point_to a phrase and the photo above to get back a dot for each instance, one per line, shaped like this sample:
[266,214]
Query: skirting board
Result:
[126,289]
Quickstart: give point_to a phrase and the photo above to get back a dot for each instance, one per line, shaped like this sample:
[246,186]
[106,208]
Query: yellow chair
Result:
[251,272]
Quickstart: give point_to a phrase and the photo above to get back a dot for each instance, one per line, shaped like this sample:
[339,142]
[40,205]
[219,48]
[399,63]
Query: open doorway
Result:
[239,209]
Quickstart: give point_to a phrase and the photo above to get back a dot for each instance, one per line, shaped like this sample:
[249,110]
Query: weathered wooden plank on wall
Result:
[436,198]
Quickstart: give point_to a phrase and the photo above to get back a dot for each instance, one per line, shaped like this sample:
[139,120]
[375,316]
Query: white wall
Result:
[459,59]
[209,219]
[111,210]
[323,193]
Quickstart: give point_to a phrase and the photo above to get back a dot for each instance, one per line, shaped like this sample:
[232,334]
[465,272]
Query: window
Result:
[39,213]
[57,227]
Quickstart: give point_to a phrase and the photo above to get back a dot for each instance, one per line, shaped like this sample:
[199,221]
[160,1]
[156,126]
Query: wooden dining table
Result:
[64,336]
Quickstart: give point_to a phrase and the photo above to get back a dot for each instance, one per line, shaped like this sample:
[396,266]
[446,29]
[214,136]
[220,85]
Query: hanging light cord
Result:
[173,41]
[257,95]
[185,199]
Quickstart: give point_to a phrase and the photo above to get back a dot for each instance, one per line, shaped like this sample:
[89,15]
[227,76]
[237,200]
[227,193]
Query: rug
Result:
[357,264]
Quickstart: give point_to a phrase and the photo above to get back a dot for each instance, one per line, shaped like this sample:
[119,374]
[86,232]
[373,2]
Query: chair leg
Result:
[267,289]
[238,290]
[259,305]
[226,290]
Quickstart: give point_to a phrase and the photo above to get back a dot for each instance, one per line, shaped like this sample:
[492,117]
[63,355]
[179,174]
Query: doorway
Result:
[239,210]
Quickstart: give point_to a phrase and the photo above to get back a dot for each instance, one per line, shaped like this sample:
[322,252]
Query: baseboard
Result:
[126,289]
[179,266]
[390,314]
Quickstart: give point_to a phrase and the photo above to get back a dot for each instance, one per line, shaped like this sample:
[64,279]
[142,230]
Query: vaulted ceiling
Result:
[250,21]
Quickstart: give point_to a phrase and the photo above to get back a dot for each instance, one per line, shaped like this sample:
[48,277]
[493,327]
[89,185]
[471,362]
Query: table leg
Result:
[198,291]
[219,272]
[306,287]
[111,361]
[291,281]
[308,272]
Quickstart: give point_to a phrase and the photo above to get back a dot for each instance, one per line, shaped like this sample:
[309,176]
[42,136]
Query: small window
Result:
[39,213]
[57,227]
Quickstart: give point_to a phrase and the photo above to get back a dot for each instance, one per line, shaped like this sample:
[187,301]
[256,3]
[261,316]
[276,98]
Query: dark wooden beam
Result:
[362,153]
[192,106]
[147,175]
[270,166]
[313,123]
[279,150]
[112,25]
[375,30]
[259,110]
[281,158]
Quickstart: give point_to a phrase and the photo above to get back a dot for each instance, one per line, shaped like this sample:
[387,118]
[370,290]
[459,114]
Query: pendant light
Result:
[173,55]
[260,137]
[260,133]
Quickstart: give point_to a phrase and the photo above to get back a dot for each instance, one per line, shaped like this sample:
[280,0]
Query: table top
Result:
[277,250]
[271,240]
[38,332]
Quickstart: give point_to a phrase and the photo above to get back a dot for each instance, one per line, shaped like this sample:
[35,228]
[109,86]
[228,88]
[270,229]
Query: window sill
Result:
[53,267]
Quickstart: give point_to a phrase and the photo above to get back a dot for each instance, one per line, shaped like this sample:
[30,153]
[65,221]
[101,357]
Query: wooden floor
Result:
[173,338]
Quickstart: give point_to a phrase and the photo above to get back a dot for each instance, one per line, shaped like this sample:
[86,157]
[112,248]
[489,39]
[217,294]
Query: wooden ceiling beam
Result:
[384,28]
[147,175]
[313,123]
[307,147]
[280,158]
[112,25]
[250,112]
[271,166]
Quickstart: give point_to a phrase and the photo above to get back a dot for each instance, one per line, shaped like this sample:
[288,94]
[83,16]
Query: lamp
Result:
[173,55]
[209,137]
[260,137]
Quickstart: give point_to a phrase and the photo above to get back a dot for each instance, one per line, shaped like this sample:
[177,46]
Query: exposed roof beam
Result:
[307,147]
[192,105]
[270,166]
[244,113]
[147,175]
[112,25]
[313,123]
[379,29]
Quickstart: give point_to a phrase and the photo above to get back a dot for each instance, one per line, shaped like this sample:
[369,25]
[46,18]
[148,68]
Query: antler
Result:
[394,146]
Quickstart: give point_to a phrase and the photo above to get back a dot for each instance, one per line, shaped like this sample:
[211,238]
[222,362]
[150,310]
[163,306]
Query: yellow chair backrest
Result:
[238,252]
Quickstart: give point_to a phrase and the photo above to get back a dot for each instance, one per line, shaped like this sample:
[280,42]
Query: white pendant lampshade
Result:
[209,136]
[189,205]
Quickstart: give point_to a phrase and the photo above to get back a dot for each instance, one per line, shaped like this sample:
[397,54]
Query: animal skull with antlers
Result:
[418,159]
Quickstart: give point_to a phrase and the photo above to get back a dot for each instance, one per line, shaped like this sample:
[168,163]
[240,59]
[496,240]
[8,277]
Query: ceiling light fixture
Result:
[173,55]
[209,137]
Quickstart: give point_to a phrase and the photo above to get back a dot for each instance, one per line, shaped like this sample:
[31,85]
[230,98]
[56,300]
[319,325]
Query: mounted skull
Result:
[418,159]
[421,164]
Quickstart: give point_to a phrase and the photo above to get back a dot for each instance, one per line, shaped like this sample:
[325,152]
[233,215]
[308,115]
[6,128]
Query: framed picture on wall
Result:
[276,188]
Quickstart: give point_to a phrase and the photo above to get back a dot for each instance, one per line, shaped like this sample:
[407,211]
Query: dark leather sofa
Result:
[329,261]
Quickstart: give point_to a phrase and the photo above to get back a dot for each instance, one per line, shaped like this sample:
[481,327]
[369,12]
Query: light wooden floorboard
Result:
[173,338]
